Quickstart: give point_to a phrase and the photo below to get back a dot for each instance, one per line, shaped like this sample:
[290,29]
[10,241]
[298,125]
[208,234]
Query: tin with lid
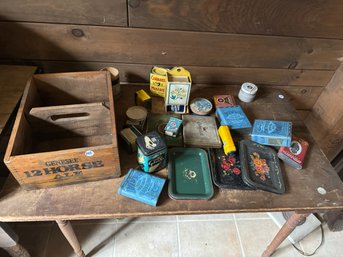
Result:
[152,152]
[136,115]
[248,92]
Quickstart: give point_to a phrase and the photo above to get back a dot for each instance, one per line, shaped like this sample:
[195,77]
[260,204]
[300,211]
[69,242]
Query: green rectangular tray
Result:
[189,174]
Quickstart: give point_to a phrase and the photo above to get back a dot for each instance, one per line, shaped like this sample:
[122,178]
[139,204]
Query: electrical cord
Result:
[315,251]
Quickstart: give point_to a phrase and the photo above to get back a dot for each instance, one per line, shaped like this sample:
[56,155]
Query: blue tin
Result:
[271,132]
[233,116]
[173,126]
[152,152]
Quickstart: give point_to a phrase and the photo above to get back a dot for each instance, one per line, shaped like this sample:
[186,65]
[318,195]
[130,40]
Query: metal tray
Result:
[226,170]
[189,174]
[260,167]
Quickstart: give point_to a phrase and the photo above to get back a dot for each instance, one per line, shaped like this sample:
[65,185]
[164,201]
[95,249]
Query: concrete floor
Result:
[221,235]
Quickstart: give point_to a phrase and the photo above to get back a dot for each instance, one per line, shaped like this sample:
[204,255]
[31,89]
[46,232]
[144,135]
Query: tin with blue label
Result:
[152,152]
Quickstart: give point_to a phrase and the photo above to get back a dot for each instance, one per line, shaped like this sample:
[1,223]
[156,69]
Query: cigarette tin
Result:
[173,126]
[234,117]
[223,101]
[200,131]
[152,152]
[201,106]
[225,136]
[294,155]
[142,187]
[271,132]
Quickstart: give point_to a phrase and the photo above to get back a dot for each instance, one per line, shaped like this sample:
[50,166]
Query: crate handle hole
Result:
[59,117]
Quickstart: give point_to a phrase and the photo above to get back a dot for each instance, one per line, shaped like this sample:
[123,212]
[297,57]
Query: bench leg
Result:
[8,241]
[69,234]
[284,232]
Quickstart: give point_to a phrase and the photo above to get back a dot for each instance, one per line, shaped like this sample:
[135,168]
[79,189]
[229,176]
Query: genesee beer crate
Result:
[64,131]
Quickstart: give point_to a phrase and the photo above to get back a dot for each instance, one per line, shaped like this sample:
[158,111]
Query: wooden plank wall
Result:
[295,45]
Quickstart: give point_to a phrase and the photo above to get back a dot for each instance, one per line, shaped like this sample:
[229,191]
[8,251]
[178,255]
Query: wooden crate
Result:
[64,131]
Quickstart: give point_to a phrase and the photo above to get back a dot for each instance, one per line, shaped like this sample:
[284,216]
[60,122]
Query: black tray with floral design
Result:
[260,167]
[226,170]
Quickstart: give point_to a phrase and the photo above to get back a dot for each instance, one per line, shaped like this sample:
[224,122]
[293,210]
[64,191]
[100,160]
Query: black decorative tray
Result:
[226,170]
[260,167]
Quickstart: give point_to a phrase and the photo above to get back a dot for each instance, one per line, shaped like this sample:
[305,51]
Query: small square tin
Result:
[294,155]
[152,152]
[234,117]
[173,126]
[272,132]
[223,101]
[129,136]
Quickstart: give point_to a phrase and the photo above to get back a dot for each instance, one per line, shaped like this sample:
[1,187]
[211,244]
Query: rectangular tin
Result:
[294,155]
[143,99]
[272,132]
[200,131]
[129,136]
[152,152]
[173,126]
[223,101]
[189,174]
[142,187]
[158,122]
[234,117]
[158,81]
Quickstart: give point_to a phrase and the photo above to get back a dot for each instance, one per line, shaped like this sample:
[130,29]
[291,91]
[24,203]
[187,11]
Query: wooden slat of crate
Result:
[110,44]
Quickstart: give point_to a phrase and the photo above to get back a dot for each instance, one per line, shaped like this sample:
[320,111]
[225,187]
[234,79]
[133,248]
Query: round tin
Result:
[136,113]
[201,106]
[114,80]
[247,92]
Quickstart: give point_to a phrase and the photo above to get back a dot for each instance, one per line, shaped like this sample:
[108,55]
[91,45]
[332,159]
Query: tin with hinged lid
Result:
[152,152]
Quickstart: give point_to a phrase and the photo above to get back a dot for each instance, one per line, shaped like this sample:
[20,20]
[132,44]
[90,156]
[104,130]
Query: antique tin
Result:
[235,118]
[158,122]
[178,89]
[158,81]
[225,136]
[114,80]
[223,101]
[226,170]
[143,99]
[260,167]
[129,136]
[201,106]
[272,132]
[152,152]
[294,155]
[248,92]
[136,115]
[173,126]
[189,174]
[200,131]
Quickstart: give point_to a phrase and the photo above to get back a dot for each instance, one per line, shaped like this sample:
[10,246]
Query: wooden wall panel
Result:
[306,18]
[202,75]
[101,12]
[110,44]
[325,121]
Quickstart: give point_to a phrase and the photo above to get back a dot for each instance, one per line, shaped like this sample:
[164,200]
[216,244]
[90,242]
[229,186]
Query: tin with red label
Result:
[294,155]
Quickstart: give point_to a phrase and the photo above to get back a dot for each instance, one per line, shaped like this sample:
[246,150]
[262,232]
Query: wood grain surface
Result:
[319,18]
[111,44]
[130,72]
[98,200]
[103,12]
